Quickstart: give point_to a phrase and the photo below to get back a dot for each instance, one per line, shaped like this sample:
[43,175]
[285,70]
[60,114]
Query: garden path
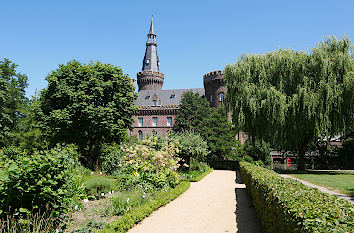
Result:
[207,206]
[322,189]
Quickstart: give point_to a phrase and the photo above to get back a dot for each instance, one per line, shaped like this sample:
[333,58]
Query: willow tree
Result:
[291,98]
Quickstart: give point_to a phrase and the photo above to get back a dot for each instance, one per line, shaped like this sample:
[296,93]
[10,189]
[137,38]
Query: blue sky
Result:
[194,37]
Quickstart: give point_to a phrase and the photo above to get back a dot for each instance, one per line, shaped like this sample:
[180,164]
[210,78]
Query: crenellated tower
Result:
[150,78]
[215,88]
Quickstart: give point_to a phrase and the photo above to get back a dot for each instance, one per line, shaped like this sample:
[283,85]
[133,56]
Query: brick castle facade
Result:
[157,107]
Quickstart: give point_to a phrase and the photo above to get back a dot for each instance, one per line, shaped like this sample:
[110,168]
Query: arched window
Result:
[140,135]
[211,98]
[221,96]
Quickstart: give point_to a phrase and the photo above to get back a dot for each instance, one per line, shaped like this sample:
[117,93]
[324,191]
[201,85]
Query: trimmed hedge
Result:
[135,215]
[200,176]
[286,205]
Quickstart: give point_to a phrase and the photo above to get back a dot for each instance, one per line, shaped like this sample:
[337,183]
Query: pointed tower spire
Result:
[150,78]
[152,31]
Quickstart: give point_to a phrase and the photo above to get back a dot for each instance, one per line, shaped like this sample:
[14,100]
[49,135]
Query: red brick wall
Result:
[148,128]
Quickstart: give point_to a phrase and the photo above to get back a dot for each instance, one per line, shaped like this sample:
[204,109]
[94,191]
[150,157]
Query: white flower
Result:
[102,194]
[86,200]
[127,200]
[100,173]
[144,195]
[109,193]
[58,230]
[112,191]
[76,207]
[91,173]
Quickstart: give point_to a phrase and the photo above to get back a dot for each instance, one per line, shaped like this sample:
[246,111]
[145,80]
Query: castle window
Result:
[221,96]
[154,121]
[154,102]
[140,121]
[211,98]
[172,96]
[140,135]
[147,97]
[169,121]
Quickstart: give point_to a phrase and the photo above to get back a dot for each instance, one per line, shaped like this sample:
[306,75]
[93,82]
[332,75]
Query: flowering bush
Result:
[150,164]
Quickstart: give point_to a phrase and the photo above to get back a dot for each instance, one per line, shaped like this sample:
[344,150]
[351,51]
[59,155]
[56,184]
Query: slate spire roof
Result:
[151,60]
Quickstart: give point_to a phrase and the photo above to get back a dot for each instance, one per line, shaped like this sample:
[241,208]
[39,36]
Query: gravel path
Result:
[322,189]
[207,206]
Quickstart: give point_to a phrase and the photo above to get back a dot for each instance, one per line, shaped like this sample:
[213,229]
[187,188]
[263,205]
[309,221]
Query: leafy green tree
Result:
[191,146]
[291,98]
[259,150]
[193,110]
[87,105]
[220,134]
[12,100]
[212,124]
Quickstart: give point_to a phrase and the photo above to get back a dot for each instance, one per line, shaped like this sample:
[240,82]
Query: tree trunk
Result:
[301,158]
[301,151]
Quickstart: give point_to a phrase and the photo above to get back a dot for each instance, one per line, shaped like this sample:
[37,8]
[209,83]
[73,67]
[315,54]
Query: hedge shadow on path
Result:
[246,218]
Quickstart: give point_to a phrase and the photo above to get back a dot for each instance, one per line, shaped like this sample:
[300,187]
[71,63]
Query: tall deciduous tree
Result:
[87,105]
[212,124]
[12,100]
[291,98]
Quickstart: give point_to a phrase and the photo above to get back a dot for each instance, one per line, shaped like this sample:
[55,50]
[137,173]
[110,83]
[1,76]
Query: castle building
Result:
[157,107]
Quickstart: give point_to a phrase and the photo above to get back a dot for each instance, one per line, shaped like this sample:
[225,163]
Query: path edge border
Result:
[137,214]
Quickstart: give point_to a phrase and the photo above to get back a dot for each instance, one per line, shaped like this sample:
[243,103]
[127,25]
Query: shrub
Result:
[40,181]
[144,165]
[111,158]
[286,205]
[248,158]
[136,214]
[96,185]
[259,150]
[198,166]
[191,146]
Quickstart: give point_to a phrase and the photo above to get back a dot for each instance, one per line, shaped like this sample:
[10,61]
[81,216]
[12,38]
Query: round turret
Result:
[215,88]
[150,80]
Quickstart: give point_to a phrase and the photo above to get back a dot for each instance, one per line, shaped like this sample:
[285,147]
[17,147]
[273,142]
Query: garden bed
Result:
[195,176]
[286,205]
[137,214]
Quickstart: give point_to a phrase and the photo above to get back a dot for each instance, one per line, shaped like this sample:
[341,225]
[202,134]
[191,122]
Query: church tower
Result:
[150,78]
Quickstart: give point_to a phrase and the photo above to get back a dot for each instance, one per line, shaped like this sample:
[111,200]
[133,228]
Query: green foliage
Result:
[196,175]
[124,201]
[286,205]
[290,98]
[259,150]
[346,152]
[192,112]
[39,181]
[212,124]
[35,223]
[111,158]
[135,215]
[150,164]
[12,101]
[97,185]
[191,146]
[87,105]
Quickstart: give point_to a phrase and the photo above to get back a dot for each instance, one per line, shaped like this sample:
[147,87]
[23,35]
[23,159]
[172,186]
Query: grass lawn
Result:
[342,182]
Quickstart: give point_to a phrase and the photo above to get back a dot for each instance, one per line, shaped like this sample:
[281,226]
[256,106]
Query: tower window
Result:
[140,135]
[169,121]
[154,102]
[172,96]
[154,121]
[147,97]
[211,98]
[140,121]
[221,96]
